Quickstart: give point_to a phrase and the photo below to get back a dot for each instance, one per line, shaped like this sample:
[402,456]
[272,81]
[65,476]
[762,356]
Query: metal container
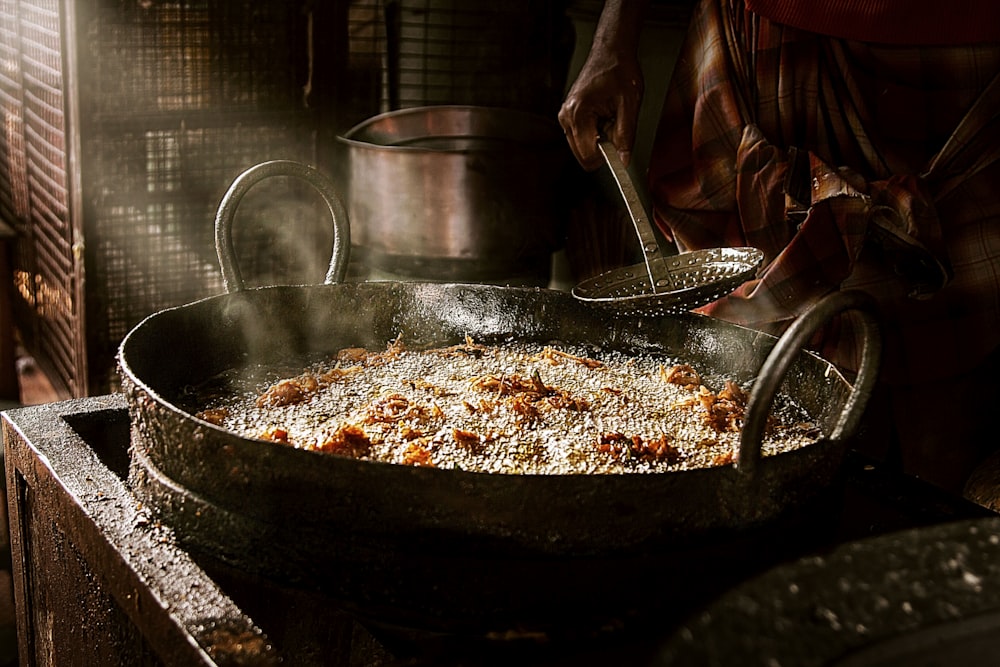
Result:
[463,550]
[457,193]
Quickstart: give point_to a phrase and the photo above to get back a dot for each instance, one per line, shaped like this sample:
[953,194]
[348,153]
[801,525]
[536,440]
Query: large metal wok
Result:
[456,547]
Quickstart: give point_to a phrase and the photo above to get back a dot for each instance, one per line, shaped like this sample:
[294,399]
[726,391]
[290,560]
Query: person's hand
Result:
[603,101]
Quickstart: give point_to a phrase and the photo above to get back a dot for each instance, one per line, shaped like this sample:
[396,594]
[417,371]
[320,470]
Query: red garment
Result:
[923,22]
[848,164]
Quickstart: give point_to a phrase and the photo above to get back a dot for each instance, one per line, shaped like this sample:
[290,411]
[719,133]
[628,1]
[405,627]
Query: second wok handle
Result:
[773,371]
[232,277]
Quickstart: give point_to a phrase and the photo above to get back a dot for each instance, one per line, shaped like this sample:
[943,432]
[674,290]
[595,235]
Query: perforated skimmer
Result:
[664,284]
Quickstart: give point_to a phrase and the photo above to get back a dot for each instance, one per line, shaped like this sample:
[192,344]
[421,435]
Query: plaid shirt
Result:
[851,165]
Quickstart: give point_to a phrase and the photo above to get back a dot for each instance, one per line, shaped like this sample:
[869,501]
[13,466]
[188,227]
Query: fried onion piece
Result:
[720,414]
[424,385]
[532,389]
[339,374]
[215,416]
[509,385]
[360,355]
[724,459]
[289,392]
[723,411]
[348,440]
[354,355]
[417,455]
[525,409]
[275,434]
[613,443]
[682,374]
[465,438]
[471,440]
[563,401]
[734,393]
[623,447]
[526,397]
[389,409]
[392,350]
[658,449]
[468,348]
[554,356]
[408,433]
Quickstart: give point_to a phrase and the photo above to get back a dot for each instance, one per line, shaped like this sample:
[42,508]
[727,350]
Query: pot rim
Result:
[364,135]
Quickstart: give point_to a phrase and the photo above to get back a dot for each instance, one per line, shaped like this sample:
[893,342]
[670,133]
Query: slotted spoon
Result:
[664,285]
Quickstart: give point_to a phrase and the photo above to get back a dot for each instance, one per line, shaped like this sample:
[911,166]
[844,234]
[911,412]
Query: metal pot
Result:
[457,193]
[467,546]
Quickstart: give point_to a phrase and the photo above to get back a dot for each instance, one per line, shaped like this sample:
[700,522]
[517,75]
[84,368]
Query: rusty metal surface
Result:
[148,602]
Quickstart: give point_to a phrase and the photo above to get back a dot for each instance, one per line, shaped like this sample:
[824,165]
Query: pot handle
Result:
[774,368]
[232,277]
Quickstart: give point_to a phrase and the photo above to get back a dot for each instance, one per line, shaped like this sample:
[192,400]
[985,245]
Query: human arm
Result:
[607,93]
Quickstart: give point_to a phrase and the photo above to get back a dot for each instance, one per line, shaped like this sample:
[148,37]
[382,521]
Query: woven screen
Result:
[38,188]
[126,121]
[504,53]
[160,105]
[188,95]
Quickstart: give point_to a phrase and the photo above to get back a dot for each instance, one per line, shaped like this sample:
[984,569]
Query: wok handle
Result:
[232,277]
[773,371]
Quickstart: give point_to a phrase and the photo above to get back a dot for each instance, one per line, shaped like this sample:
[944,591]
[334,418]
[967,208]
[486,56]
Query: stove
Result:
[99,580]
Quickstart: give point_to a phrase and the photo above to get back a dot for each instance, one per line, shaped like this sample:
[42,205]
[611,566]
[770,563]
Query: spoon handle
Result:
[656,267]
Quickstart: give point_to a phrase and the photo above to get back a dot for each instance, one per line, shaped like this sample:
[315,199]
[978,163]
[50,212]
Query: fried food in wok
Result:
[513,408]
